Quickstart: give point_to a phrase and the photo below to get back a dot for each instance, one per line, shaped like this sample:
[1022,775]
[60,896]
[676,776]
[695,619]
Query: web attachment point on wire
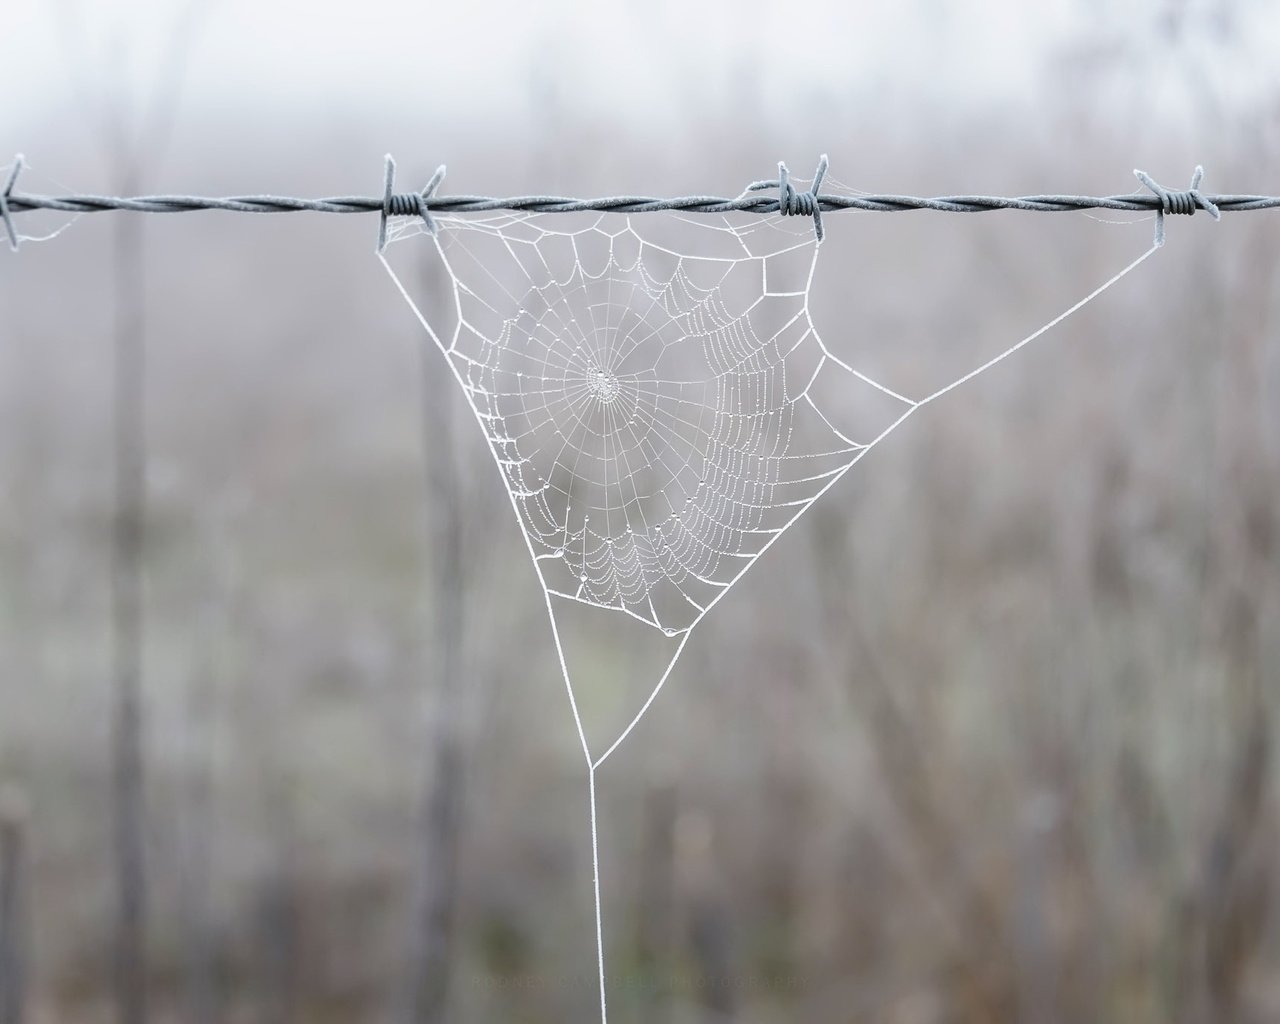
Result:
[1184,202]
[5,193]
[406,204]
[792,203]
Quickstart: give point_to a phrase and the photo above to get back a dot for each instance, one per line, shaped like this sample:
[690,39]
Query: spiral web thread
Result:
[659,418]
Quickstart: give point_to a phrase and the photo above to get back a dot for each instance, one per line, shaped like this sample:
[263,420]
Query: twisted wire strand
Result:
[788,201]
[20,202]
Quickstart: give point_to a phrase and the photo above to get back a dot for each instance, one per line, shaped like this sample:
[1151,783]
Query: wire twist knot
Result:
[792,203]
[1184,202]
[406,204]
[5,215]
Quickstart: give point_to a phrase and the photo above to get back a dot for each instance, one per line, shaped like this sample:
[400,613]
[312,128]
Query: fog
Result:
[989,735]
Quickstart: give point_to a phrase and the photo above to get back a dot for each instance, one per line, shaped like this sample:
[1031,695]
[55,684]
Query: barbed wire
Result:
[788,202]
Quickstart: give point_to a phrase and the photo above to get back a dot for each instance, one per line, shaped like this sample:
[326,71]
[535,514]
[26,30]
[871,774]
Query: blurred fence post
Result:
[710,930]
[128,763]
[656,902]
[434,899]
[13,923]
[130,147]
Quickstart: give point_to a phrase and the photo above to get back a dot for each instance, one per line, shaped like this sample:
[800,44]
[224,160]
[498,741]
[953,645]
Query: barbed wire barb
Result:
[1185,202]
[5,193]
[791,202]
[406,204]
[428,205]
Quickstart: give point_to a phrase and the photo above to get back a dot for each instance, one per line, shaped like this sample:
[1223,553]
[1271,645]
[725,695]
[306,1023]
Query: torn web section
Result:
[647,386]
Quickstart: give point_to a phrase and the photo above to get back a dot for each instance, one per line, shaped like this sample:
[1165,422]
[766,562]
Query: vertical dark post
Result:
[434,902]
[198,829]
[709,929]
[657,900]
[197,939]
[13,923]
[1238,860]
[280,931]
[711,947]
[128,145]
[129,433]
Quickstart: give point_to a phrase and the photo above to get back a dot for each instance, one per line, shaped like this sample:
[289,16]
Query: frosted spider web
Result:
[657,399]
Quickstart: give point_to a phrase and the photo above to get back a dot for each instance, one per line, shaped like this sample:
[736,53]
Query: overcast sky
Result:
[478,53]
[652,66]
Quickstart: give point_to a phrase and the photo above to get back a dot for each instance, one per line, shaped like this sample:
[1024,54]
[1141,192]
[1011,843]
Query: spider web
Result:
[651,412]
[659,417]
[657,399]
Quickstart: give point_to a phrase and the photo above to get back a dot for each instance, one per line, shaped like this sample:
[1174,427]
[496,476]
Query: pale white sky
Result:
[653,64]
[478,53]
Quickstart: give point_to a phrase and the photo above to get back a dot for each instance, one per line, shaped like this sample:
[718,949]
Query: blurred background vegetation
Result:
[989,736]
